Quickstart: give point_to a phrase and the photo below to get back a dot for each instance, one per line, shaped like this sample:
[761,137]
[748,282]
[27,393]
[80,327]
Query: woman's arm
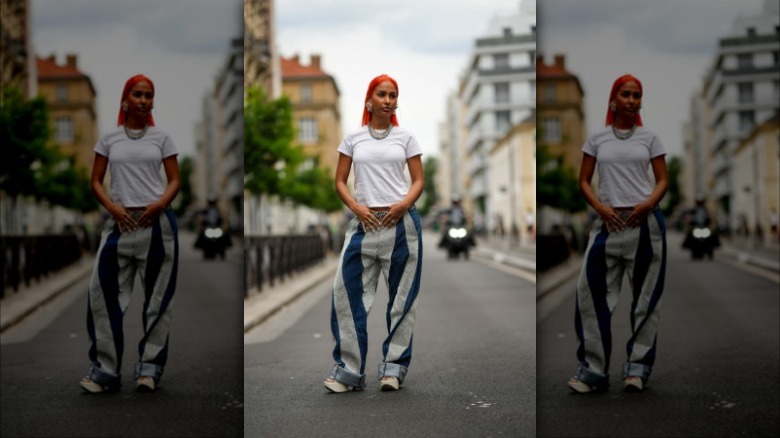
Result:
[123,219]
[661,184]
[171,166]
[368,220]
[587,168]
[398,210]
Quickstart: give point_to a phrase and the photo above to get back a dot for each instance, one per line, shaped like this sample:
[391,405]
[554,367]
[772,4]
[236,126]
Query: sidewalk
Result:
[17,305]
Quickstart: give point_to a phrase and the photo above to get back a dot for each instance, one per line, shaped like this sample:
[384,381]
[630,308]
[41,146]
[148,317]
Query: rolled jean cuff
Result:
[631,369]
[148,370]
[103,377]
[392,370]
[592,378]
[347,377]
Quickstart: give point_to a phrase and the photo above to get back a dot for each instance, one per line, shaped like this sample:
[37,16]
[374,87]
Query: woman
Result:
[384,236]
[140,236]
[628,236]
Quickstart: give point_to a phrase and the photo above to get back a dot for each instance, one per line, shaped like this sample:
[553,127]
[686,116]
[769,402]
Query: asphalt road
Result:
[716,372]
[473,371]
[201,392]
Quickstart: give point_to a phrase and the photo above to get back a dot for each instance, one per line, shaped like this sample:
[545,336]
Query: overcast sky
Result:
[423,44]
[667,44]
[179,44]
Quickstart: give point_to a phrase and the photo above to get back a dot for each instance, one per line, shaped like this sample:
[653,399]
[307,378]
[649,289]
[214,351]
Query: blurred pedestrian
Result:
[139,237]
[384,236]
[629,236]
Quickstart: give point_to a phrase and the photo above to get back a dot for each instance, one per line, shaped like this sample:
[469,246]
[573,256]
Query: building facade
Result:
[560,113]
[742,90]
[70,96]
[261,62]
[497,91]
[513,183]
[315,99]
[17,63]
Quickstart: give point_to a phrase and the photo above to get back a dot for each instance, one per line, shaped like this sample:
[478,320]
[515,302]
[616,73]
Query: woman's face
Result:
[383,100]
[140,99]
[628,99]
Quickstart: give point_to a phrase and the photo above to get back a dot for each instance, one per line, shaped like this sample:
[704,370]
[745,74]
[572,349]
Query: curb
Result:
[77,274]
[252,320]
[746,257]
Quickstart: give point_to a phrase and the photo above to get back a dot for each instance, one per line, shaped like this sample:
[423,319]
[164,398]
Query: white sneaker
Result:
[144,384]
[390,384]
[633,384]
[334,386]
[91,387]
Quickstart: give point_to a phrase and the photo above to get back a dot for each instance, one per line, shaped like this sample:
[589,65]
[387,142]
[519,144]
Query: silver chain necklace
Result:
[623,135]
[133,136]
[379,135]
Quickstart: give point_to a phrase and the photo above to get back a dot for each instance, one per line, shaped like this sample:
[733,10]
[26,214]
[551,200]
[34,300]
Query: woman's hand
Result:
[366,217]
[611,219]
[638,214]
[395,214]
[122,217]
[151,213]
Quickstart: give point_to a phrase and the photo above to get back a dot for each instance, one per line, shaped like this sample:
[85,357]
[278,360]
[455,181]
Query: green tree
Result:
[24,134]
[269,157]
[557,185]
[31,164]
[431,197]
[186,195]
[673,196]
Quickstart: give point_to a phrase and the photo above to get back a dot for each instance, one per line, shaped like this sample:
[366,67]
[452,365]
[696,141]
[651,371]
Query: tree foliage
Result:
[557,185]
[186,195]
[273,164]
[430,169]
[31,164]
[673,196]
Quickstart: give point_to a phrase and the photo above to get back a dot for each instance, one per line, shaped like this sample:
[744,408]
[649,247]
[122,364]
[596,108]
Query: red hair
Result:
[128,85]
[371,86]
[612,94]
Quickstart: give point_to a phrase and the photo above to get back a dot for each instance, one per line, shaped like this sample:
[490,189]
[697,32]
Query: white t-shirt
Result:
[624,165]
[380,164]
[135,165]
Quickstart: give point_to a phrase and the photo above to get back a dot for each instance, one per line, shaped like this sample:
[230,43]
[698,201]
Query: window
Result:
[745,92]
[751,31]
[307,129]
[502,92]
[64,128]
[500,61]
[507,32]
[502,121]
[552,129]
[549,93]
[62,93]
[305,93]
[777,90]
[532,84]
[776,57]
[746,121]
[532,56]
[744,60]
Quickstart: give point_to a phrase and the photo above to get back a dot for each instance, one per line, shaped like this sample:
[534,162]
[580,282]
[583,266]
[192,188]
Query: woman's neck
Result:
[379,123]
[135,123]
[624,122]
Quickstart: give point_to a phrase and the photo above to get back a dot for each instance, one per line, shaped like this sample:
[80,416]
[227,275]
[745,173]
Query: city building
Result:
[497,91]
[742,90]
[261,63]
[17,63]
[229,118]
[70,96]
[559,105]
[756,171]
[513,182]
[315,99]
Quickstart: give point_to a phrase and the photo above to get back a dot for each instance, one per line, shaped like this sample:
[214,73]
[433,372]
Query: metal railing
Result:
[28,258]
[270,259]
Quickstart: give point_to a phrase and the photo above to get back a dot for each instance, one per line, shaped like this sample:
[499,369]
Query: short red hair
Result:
[371,86]
[128,85]
[612,94]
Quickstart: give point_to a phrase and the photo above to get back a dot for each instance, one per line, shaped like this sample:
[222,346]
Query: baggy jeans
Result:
[152,252]
[641,253]
[396,252]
